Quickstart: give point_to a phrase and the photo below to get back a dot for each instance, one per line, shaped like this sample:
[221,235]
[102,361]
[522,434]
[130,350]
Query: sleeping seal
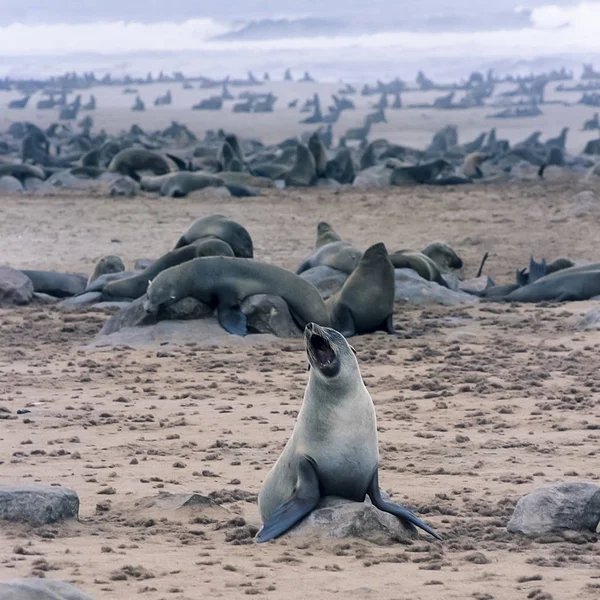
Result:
[366,301]
[333,449]
[219,226]
[419,262]
[223,283]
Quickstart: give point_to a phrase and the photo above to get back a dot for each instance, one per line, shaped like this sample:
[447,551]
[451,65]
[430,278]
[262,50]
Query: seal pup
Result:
[338,255]
[419,262]
[326,234]
[366,301]
[333,450]
[472,164]
[135,286]
[223,283]
[131,160]
[443,256]
[107,264]
[219,226]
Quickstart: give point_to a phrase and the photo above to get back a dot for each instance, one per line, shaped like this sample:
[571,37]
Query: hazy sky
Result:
[72,11]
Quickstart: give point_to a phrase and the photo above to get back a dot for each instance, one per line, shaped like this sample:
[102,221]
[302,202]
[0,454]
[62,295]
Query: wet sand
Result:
[476,407]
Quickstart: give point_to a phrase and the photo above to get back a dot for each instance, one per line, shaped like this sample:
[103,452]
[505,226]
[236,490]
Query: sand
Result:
[476,405]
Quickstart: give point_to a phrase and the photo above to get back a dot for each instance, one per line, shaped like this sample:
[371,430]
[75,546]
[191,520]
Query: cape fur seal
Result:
[419,262]
[135,286]
[338,255]
[333,450]
[131,160]
[107,264]
[326,234]
[472,164]
[223,283]
[443,256]
[219,226]
[179,185]
[366,301]
[423,173]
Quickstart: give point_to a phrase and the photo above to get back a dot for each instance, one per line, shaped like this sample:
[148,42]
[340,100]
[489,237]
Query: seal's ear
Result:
[352,348]
[308,366]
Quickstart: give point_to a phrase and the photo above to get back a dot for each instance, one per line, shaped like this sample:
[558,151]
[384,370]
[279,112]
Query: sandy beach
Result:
[476,405]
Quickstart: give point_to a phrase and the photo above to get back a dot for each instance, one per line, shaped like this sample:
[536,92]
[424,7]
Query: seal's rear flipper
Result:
[395,509]
[305,499]
[232,320]
[536,270]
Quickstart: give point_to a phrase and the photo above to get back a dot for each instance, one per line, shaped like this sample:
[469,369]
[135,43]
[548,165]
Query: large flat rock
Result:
[40,589]
[37,505]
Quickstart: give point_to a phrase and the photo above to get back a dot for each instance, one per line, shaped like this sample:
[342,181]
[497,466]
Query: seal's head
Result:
[443,256]
[329,353]
[110,264]
[375,253]
[161,292]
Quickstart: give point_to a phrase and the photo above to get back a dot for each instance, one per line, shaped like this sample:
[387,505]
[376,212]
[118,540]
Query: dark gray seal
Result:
[333,450]
[366,301]
[107,264]
[223,283]
[131,160]
[135,286]
[223,228]
[419,262]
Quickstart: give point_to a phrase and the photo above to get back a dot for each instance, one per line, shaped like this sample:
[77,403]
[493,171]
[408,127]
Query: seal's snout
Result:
[322,350]
[148,306]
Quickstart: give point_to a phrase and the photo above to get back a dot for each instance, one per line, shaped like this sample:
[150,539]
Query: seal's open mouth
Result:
[322,350]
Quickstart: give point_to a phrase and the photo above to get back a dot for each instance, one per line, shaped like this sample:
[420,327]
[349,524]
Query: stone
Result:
[124,187]
[327,280]
[185,309]
[413,289]
[15,288]
[557,507]
[374,177]
[33,184]
[591,320]
[270,314]
[36,504]
[40,589]
[338,518]
[132,315]
[10,185]
[203,333]
[584,203]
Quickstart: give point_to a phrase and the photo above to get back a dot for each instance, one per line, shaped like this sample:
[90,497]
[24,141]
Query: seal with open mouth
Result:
[333,449]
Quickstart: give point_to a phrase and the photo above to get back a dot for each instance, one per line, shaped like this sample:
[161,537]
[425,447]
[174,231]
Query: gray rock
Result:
[167,501]
[327,280]
[124,187]
[204,333]
[15,288]
[185,309]
[37,505]
[40,589]
[142,264]
[413,289]
[591,320]
[10,185]
[584,203]
[374,177]
[65,179]
[33,184]
[557,507]
[324,182]
[337,518]
[132,315]
[85,299]
[270,314]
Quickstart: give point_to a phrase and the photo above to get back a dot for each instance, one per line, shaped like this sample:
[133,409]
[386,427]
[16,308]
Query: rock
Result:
[185,309]
[204,333]
[64,179]
[133,315]
[15,288]
[331,184]
[337,518]
[374,177]
[85,299]
[40,589]
[33,184]
[412,288]
[168,501]
[10,185]
[591,320]
[142,263]
[556,507]
[270,314]
[125,187]
[584,203]
[37,505]
[327,280]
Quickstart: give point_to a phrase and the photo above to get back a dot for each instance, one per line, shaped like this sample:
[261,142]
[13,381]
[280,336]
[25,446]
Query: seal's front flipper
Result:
[232,320]
[305,499]
[536,270]
[342,320]
[395,509]
[388,326]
